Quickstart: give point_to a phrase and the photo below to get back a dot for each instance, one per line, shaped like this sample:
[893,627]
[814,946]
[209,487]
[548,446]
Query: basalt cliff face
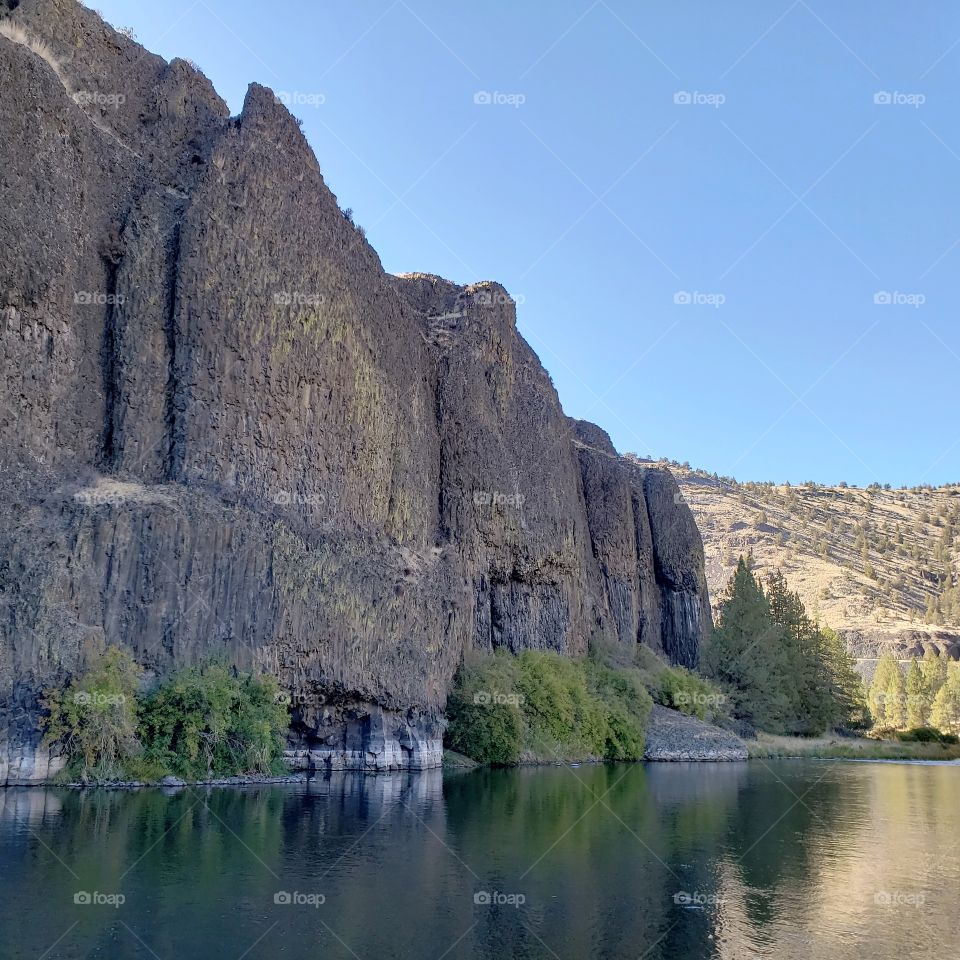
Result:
[227,432]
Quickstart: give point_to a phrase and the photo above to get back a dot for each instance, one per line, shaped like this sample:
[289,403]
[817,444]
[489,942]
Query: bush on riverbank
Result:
[94,718]
[544,707]
[205,721]
[208,721]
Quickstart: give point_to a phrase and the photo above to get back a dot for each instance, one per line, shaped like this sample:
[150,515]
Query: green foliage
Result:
[208,720]
[919,701]
[690,693]
[200,722]
[95,717]
[888,694]
[785,673]
[562,716]
[945,714]
[483,712]
[924,734]
[623,697]
[547,707]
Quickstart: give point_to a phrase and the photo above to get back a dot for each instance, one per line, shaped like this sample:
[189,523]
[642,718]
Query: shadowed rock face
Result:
[226,432]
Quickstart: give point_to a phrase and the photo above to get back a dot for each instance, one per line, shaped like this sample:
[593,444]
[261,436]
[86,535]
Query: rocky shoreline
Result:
[673,736]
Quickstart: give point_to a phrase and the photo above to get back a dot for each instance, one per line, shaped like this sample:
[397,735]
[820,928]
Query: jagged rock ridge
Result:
[226,431]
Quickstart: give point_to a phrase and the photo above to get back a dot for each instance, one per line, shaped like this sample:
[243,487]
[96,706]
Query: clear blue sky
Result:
[599,201]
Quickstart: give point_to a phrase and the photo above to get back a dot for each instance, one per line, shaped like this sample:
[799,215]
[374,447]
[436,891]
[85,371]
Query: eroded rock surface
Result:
[226,431]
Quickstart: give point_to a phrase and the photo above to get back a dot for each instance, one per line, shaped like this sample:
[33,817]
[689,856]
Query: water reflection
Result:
[788,859]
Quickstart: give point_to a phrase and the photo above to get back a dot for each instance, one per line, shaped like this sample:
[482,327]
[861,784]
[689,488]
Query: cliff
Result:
[226,432]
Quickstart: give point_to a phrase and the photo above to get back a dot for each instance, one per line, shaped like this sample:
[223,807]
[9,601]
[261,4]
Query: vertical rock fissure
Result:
[172,455]
[109,366]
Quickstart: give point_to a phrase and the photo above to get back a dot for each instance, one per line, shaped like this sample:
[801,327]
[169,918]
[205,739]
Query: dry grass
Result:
[811,533]
[16,33]
[843,748]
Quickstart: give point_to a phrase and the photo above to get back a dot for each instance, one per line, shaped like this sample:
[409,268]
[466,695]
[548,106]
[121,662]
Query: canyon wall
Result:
[226,432]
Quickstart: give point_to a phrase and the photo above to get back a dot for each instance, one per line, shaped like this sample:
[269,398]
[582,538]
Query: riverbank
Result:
[769,746]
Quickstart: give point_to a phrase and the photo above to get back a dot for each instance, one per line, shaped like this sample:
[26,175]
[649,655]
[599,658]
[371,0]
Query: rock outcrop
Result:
[226,431]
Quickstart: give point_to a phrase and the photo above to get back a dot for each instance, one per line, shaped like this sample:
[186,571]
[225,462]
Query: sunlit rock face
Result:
[226,432]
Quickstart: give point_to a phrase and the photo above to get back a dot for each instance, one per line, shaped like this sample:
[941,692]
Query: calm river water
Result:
[785,859]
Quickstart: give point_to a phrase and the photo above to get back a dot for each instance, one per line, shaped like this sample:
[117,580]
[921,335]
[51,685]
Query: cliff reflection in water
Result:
[788,859]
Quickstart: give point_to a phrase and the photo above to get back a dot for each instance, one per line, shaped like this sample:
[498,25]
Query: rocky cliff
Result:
[226,431]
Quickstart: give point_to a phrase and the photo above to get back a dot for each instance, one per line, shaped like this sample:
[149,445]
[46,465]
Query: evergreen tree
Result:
[945,715]
[887,694]
[934,669]
[785,673]
[745,653]
[848,692]
[918,696]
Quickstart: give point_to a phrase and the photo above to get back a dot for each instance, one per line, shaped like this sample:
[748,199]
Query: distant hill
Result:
[880,565]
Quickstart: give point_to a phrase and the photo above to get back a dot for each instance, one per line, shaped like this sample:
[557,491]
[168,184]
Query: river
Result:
[785,859]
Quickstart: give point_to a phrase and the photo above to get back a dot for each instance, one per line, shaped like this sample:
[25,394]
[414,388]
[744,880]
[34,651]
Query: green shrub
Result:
[690,694]
[95,717]
[546,707]
[208,720]
[483,712]
[562,717]
[200,722]
[627,704]
[925,735]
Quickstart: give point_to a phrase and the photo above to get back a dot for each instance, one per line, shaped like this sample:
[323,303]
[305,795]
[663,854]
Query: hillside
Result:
[879,565]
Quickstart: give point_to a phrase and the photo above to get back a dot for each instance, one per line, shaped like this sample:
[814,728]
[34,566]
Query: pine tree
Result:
[887,694]
[945,715]
[745,652]
[918,696]
[785,673]
[934,669]
[849,696]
